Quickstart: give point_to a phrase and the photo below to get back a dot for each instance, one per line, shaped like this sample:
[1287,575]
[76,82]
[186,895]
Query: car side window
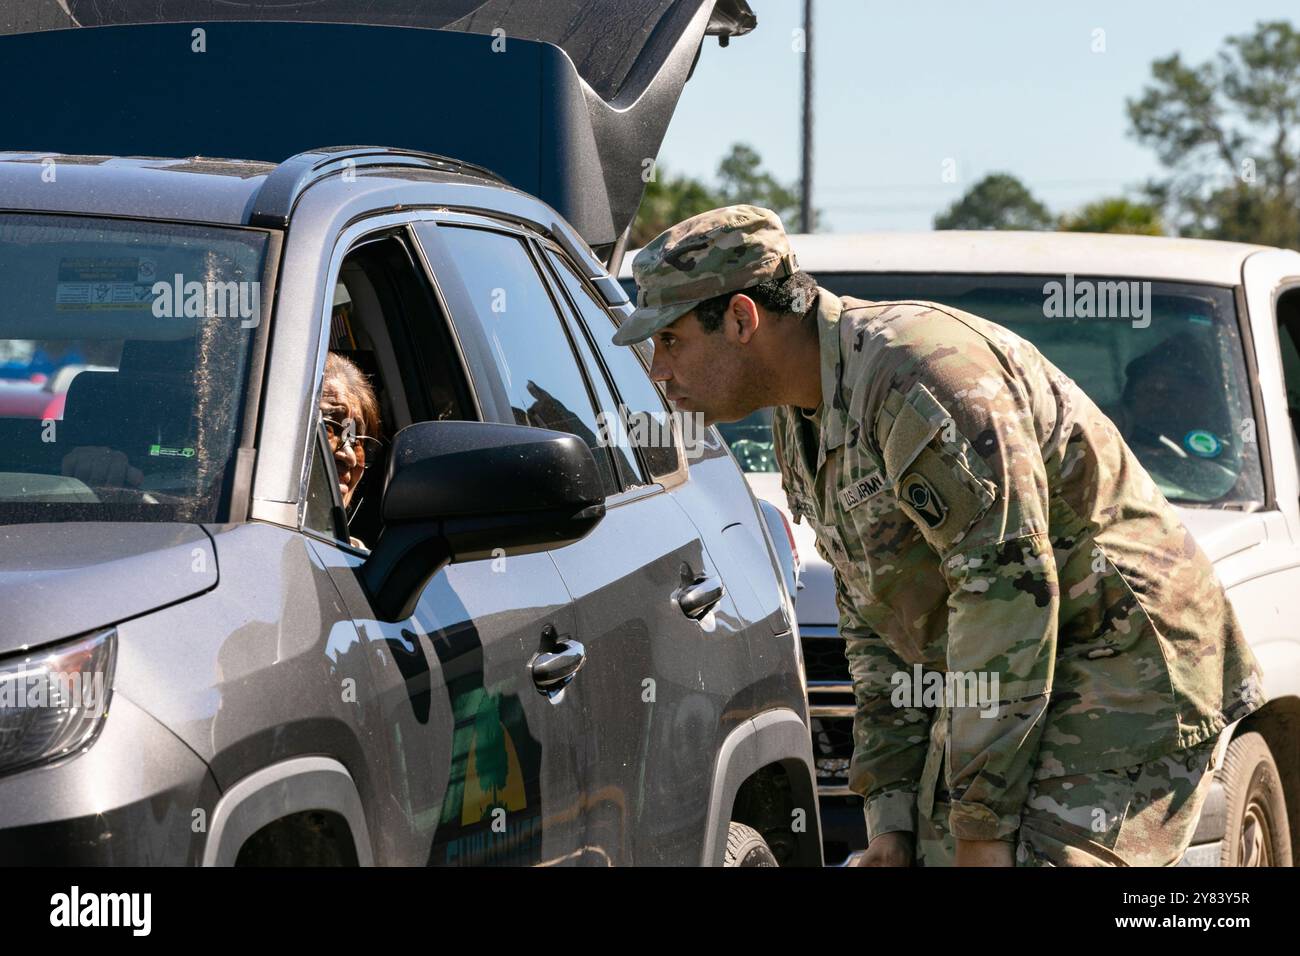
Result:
[529,347]
[1288,325]
[389,363]
[322,513]
[618,432]
[657,445]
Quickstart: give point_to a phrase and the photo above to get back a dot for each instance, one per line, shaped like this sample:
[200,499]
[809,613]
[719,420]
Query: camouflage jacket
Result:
[986,521]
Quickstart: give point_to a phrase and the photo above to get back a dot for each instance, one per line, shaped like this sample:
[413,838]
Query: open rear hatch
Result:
[566,99]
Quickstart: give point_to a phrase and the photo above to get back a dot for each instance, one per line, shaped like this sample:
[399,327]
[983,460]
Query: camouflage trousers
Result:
[1143,815]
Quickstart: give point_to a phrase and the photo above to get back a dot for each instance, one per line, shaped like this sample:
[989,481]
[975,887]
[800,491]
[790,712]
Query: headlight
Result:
[53,700]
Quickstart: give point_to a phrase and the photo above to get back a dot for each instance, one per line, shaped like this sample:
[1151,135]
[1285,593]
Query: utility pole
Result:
[806,223]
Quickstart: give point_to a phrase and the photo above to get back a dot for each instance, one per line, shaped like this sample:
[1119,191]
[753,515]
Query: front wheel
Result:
[1257,832]
[746,847]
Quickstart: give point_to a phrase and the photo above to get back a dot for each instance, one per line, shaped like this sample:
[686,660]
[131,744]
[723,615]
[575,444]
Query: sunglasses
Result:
[346,432]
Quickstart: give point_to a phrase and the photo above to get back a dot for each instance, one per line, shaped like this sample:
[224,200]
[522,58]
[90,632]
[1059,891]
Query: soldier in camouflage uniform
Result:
[989,529]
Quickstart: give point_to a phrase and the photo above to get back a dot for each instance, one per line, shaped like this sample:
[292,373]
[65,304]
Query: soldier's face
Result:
[706,373]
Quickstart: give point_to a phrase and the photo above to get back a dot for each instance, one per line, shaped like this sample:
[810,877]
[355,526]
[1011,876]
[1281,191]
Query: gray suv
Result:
[521,640]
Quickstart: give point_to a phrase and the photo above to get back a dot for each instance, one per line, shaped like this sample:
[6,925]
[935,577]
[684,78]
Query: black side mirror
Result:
[458,491]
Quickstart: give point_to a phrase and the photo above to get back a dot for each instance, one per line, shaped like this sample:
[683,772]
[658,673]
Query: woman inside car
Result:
[350,410]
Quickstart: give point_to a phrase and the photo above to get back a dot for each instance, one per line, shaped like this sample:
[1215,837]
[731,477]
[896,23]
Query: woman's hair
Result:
[355,388]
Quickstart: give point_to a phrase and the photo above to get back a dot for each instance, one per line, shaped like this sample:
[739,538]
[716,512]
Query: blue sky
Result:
[1003,85]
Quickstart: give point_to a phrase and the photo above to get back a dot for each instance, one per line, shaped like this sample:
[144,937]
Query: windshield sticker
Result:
[1205,444]
[160,451]
[121,282]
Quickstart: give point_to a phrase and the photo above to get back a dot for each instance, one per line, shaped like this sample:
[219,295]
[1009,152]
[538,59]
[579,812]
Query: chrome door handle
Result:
[700,596]
[552,670]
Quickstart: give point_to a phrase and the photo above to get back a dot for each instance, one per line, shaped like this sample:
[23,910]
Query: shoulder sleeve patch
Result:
[915,421]
[934,488]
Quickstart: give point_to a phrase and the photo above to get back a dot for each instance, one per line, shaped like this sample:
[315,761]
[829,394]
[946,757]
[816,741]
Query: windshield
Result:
[1168,369]
[124,349]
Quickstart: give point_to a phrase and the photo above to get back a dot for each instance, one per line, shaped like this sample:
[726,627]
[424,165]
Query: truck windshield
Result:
[124,349]
[1163,360]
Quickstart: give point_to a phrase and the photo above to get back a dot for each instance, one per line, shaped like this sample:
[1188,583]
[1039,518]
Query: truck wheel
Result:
[1256,832]
[746,847]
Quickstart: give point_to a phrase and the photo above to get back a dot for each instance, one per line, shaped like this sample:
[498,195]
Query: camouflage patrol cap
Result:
[719,251]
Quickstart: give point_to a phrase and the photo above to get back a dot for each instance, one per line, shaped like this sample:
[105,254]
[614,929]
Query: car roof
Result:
[194,189]
[197,189]
[1019,253]
[312,189]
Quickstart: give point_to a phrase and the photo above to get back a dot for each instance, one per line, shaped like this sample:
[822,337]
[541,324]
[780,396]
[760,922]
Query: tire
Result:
[1256,832]
[746,847]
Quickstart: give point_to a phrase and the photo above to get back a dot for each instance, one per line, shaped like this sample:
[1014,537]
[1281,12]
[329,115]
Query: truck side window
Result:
[1288,336]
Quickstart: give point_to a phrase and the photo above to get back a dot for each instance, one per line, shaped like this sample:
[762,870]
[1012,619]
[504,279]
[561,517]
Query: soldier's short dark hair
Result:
[791,295]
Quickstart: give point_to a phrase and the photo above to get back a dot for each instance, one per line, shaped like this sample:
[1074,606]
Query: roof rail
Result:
[274,202]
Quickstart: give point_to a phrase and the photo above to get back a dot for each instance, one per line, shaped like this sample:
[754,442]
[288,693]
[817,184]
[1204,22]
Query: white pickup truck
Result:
[1193,348]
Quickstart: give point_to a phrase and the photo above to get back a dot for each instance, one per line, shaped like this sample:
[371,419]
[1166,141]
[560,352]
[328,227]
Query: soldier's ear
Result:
[743,311]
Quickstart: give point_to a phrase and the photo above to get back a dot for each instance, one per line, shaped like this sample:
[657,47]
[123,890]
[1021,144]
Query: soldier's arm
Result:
[960,445]
[889,742]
